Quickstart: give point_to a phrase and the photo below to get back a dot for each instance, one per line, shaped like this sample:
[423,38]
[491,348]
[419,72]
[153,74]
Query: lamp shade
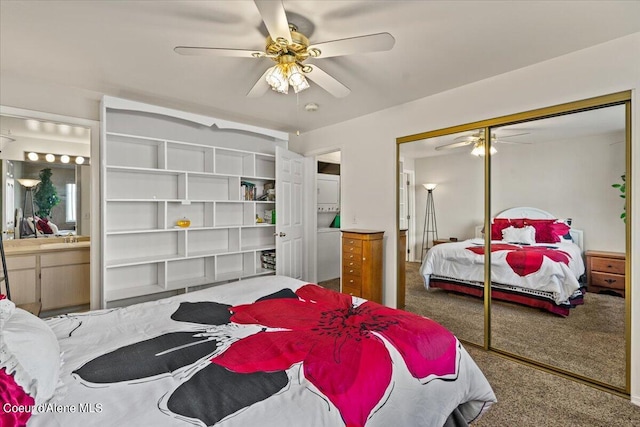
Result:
[429,186]
[28,183]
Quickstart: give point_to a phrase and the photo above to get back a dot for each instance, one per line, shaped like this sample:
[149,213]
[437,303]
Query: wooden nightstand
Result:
[605,271]
[438,241]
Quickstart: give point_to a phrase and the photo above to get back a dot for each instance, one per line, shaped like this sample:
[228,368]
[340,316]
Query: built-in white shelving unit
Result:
[195,172]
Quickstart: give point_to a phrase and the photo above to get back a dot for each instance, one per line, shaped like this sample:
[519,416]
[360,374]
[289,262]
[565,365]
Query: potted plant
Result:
[46,196]
[623,189]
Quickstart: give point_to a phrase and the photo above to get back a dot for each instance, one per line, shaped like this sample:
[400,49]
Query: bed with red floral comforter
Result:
[270,351]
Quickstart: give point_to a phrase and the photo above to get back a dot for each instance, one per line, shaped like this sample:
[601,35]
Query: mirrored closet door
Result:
[537,202]
[558,242]
[448,213]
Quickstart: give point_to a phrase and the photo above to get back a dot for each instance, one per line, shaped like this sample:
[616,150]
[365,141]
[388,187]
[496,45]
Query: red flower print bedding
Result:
[269,351]
[553,268]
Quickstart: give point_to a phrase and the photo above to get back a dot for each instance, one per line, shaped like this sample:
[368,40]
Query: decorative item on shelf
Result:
[269,190]
[183,223]
[259,220]
[268,259]
[269,216]
[430,232]
[247,190]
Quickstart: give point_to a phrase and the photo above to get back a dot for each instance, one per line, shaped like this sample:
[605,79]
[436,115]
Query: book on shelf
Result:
[248,190]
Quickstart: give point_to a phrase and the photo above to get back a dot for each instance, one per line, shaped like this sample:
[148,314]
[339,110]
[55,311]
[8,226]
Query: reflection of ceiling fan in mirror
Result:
[477,140]
[290,49]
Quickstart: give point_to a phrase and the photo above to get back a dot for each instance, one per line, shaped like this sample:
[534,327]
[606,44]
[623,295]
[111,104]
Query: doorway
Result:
[327,208]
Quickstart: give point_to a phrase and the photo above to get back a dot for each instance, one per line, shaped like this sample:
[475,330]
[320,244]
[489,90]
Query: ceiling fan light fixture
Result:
[281,75]
[277,78]
[479,149]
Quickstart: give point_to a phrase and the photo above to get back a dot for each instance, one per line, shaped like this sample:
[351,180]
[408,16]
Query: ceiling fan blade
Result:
[275,19]
[453,145]
[362,44]
[502,141]
[214,51]
[327,82]
[261,86]
[515,134]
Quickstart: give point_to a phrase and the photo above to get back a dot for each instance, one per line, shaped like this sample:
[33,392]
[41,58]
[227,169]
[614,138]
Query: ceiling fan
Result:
[477,140]
[290,49]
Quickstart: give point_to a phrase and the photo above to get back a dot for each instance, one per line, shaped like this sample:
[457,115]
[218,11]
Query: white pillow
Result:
[30,351]
[526,235]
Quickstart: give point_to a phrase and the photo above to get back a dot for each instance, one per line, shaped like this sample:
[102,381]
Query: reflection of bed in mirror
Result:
[536,261]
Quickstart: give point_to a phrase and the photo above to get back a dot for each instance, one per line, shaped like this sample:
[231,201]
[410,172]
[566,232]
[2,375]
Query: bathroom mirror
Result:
[30,146]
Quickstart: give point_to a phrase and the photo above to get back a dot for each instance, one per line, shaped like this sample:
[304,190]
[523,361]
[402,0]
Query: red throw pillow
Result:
[560,229]
[544,230]
[44,226]
[497,226]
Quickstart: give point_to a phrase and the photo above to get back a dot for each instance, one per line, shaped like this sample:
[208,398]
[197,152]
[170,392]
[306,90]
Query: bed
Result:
[268,351]
[536,261]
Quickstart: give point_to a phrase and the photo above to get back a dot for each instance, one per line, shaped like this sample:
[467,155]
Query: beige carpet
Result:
[589,342]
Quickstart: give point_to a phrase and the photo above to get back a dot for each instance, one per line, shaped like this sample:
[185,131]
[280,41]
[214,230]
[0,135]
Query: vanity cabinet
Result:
[362,264]
[48,271]
[23,277]
[64,278]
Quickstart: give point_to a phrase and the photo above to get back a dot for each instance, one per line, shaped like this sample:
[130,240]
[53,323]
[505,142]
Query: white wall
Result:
[368,142]
[570,179]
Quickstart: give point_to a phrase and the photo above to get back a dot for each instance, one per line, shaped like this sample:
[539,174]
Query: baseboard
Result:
[635,400]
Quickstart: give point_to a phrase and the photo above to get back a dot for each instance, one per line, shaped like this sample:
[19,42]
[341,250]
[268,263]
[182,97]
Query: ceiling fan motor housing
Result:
[285,53]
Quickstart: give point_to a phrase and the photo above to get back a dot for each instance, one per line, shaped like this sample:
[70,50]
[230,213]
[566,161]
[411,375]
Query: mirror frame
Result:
[96,190]
[619,98]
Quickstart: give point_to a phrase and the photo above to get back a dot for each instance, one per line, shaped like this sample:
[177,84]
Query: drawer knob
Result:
[610,281]
[350,281]
[350,271]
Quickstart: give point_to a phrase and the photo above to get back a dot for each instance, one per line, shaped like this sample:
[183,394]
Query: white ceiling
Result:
[125,49]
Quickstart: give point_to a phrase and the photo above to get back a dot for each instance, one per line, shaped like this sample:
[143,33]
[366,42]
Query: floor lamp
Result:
[430,232]
[29,185]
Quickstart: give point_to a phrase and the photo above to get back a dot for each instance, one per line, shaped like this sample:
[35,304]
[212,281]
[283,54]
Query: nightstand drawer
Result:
[606,280]
[607,265]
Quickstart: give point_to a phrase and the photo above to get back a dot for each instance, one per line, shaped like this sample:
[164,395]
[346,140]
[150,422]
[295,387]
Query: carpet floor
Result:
[589,342]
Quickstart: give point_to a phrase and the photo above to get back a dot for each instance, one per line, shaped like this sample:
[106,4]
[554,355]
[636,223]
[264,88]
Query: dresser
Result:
[605,272]
[362,264]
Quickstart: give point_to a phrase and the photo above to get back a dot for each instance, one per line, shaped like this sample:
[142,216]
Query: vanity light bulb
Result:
[32,156]
[79,160]
[64,158]
[50,158]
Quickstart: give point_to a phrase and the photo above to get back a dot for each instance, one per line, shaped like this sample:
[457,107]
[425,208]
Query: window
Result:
[71,203]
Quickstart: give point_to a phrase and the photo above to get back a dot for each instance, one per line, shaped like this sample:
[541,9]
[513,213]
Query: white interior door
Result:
[289,211]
